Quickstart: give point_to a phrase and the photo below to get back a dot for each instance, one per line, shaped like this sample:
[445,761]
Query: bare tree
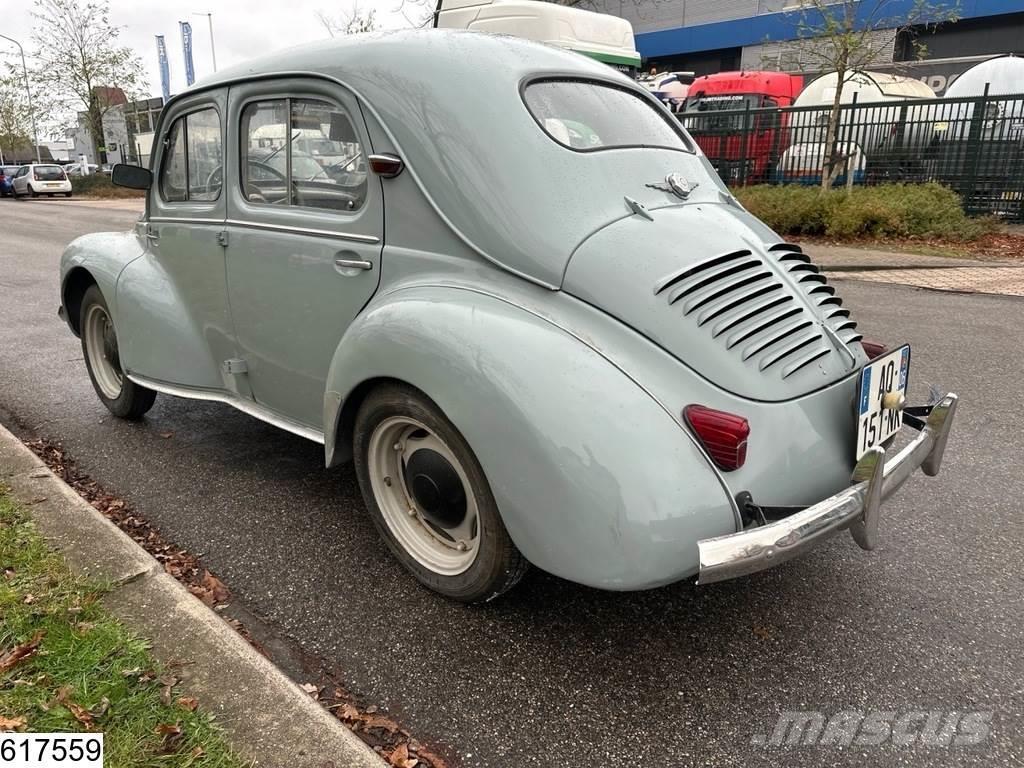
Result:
[79,62]
[351,22]
[850,35]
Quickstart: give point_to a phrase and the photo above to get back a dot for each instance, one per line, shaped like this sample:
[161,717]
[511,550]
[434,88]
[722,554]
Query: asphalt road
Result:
[556,674]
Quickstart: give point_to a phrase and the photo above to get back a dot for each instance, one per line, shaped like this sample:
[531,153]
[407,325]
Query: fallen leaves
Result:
[170,737]
[11,724]
[80,713]
[20,653]
[167,682]
[188,703]
[400,758]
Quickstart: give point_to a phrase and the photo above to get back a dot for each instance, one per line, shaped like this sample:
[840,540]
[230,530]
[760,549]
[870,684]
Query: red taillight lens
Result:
[723,435]
[874,348]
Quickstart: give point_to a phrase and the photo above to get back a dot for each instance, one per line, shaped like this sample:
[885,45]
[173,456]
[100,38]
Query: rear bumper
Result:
[857,507]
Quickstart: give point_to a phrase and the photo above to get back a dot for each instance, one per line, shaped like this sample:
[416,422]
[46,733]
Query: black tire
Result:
[67,194]
[32,191]
[133,401]
[498,565]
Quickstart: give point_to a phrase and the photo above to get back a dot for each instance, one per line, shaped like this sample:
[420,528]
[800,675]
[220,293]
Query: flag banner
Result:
[165,72]
[186,48]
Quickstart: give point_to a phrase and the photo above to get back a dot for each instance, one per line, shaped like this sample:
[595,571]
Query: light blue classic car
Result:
[511,290]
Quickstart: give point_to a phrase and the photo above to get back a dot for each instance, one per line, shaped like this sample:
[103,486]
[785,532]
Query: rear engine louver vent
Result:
[742,301]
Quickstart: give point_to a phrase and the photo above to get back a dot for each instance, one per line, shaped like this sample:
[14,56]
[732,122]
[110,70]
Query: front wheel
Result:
[123,397]
[429,498]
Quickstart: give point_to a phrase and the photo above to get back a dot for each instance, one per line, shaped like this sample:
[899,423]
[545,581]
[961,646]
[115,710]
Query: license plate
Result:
[885,376]
[53,184]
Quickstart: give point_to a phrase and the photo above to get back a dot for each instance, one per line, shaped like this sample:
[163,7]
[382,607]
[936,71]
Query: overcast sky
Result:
[242,28]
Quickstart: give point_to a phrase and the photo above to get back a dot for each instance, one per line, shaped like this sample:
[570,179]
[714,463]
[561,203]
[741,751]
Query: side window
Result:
[302,152]
[205,155]
[192,166]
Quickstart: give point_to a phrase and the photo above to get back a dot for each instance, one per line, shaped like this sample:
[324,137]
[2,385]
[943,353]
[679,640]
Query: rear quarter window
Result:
[589,116]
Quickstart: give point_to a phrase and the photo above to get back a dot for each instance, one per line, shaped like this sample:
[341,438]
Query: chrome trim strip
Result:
[184,220]
[755,549]
[245,406]
[303,231]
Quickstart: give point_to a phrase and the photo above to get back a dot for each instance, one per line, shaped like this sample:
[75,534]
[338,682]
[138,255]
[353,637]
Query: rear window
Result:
[588,116]
[49,172]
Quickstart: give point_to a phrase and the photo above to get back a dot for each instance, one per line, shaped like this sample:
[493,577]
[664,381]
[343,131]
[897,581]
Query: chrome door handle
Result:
[153,236]
[353,264]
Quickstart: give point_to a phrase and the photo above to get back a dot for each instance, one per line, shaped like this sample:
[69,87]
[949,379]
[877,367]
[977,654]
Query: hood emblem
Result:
[676,184]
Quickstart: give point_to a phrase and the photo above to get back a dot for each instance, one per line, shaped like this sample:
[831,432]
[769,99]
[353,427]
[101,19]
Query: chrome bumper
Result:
[857,508]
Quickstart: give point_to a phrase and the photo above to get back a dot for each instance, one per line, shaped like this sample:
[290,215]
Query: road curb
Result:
[266,716]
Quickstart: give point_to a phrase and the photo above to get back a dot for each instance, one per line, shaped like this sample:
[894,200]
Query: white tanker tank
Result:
[978,146]
[885,130]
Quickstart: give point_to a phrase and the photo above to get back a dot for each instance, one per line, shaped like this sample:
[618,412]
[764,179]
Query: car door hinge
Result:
[222,238]
[235,366]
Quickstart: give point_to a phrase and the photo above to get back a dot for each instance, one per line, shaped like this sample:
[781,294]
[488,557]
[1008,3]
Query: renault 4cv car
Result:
[523,305]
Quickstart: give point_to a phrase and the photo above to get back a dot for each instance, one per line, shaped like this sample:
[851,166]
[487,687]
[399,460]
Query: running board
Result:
[245,406]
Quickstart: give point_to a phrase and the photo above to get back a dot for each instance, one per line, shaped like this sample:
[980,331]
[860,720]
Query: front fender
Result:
[595,481]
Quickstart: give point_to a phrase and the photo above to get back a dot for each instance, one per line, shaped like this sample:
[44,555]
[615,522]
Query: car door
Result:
[20,182]
[172,301]
[305,233]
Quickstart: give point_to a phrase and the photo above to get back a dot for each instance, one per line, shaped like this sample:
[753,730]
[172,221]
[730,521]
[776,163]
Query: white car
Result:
[39,180]
[75,169]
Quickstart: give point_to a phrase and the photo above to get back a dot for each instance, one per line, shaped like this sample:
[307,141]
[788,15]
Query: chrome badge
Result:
[677,184]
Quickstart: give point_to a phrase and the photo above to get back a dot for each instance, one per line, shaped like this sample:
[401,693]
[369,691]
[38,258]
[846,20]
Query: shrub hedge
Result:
[98,185]
[885,211]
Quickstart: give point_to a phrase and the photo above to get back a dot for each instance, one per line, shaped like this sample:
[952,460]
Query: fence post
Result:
[853,113]
[744,144]
[974,145]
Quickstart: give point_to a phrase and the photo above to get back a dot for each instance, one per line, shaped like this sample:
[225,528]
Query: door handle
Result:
[153,235]
[341,263]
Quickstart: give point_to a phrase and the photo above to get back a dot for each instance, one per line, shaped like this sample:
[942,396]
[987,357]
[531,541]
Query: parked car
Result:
[75,169]
[6,178]
[591,359]
[42,179]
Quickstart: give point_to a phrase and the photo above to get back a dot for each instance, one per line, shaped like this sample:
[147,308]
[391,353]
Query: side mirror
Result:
[131,176]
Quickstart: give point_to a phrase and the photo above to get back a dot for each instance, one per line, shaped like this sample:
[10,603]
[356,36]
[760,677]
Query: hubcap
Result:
[424,495]
[101,347]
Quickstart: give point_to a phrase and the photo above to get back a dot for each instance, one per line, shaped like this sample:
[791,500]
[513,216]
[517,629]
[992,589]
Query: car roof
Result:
[405,80]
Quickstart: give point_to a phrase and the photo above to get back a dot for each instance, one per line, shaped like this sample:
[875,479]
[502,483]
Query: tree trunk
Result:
[94,122]
[832,159]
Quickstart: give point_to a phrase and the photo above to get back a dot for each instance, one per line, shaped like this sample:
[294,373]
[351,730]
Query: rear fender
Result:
[594,480]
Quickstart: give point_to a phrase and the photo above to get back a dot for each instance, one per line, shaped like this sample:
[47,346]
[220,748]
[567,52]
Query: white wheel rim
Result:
[447,551]
[101,347]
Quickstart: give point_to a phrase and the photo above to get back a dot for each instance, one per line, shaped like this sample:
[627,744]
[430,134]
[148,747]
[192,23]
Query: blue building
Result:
[708,36]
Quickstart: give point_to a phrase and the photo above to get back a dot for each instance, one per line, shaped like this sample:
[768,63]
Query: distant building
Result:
[708,36]
[123,124]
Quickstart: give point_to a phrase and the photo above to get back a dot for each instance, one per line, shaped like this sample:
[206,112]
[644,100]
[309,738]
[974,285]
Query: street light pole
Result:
[213,50]
[28,92]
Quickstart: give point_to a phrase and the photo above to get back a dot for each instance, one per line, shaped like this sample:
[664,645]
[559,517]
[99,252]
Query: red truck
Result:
[731,117]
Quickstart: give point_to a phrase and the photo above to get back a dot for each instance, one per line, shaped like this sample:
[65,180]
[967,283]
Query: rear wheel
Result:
[429,498]
[123,397]
[32,191]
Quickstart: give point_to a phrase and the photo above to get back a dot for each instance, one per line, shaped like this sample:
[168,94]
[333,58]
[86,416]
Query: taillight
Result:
[723,435]
[387,166]
[874,349]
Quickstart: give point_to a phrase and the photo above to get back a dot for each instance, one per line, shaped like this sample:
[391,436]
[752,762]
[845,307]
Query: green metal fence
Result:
[974,146]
